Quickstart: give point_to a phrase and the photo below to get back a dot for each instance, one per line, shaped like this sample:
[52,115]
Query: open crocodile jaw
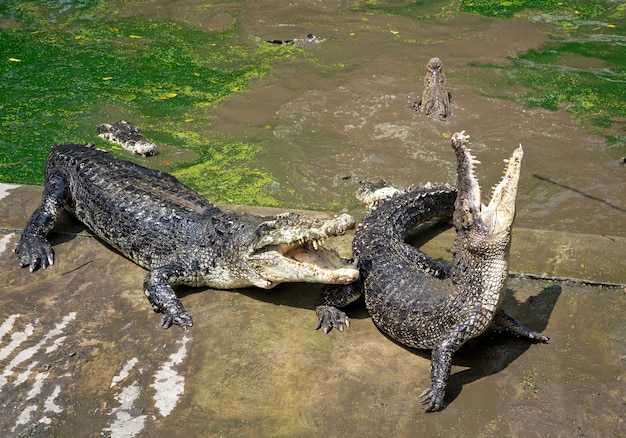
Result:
[470,213]
[291,249]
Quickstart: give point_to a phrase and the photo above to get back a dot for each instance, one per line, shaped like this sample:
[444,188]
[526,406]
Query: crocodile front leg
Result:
[441,359]
[440,367]
[506,322]
[333,296]
[163,299]
[33,249]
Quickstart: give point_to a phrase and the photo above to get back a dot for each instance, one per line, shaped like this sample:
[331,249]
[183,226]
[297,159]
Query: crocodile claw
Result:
[432,399]
[181,319]
[34,252]
[538,337]
[329,317]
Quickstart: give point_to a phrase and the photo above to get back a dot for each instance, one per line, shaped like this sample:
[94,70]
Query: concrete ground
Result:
[82,354]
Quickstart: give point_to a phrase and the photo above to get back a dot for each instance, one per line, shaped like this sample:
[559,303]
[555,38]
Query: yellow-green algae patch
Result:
[65,66]
[227,174]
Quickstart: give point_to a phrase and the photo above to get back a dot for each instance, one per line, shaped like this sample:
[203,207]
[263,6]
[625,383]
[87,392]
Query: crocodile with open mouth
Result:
[181,237]
[426,303]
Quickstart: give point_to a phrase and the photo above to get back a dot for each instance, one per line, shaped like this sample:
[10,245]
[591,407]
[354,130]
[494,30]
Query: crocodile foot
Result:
[505,321]
[329,317]
[432,398]
[181,319]
[173,313]
[35,252]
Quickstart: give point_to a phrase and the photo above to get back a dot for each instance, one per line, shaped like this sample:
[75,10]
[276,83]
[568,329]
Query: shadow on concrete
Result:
[496,350]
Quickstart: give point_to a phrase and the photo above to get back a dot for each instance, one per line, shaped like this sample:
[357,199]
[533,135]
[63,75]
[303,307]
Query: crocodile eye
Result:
[265,227]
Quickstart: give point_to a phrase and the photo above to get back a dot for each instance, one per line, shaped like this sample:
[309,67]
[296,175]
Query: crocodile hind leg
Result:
[162,297]
[333,296]
[506,322]
[33,249]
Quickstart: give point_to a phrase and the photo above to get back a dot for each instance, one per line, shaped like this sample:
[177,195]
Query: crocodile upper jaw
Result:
[499,214]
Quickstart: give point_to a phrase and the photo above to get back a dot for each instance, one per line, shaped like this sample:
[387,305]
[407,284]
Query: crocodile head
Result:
[480,260]
[434,65]
[470,213]
[290,249]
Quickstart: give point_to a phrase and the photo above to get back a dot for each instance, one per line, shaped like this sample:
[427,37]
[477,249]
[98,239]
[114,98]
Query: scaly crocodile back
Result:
[402,285]
[125,204]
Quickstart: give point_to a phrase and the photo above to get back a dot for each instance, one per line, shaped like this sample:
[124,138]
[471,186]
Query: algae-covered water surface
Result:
[69,66]
[592,31]
[242,120]
[582,69]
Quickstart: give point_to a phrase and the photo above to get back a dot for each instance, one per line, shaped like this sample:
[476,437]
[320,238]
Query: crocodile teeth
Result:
[315,244]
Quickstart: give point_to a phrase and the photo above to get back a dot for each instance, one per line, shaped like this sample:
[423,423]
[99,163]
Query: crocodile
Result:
[128,136]
[179,236]
[435,100]
[307,41]
[426,303]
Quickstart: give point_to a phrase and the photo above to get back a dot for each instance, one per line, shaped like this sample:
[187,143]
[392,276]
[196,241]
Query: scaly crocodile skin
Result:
[181,237]
[425,303]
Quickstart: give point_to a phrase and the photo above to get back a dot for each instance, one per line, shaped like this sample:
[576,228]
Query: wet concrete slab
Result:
[82,354]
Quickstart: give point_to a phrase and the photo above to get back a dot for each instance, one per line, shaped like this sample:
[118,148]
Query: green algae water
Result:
[593,30]
[67,66]
[582,69]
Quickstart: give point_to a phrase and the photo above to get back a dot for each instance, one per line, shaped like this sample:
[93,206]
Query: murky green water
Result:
[244,121]
[69,66]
